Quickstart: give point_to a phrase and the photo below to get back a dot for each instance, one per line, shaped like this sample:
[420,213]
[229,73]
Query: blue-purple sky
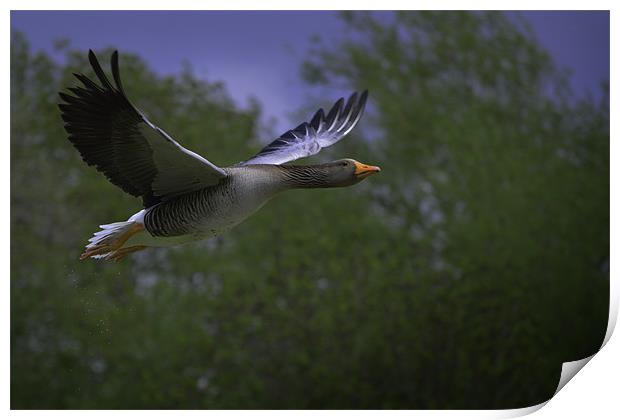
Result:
[259,53]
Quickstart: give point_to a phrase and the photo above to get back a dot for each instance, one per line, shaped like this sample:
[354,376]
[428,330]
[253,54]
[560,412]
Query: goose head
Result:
[345,172]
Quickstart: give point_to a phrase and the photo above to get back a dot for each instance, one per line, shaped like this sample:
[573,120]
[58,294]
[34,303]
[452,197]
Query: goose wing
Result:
[119,141]
[309,138]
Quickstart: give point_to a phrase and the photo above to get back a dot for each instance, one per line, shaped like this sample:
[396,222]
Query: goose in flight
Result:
[187,198]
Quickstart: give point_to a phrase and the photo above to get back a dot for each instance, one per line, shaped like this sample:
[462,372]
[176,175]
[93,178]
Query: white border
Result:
[594,392]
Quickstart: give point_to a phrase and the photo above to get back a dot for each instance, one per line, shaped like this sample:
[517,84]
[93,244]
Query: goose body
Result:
[209,211]
[186,198]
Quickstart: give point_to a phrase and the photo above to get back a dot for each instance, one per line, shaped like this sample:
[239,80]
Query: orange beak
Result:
[362,171]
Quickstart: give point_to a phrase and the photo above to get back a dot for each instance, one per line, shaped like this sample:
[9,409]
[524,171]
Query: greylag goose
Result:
[187,198]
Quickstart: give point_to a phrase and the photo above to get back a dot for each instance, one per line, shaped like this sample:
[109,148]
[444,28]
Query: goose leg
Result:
[119,254]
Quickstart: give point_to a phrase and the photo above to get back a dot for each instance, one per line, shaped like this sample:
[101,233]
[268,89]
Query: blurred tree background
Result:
[462,276]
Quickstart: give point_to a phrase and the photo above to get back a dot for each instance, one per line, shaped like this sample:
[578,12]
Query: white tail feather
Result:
[110,242]
[109,233]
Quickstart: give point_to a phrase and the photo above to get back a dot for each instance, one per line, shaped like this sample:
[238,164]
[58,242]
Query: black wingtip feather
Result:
[66,97]
[317,119]
[334,113]
[362,102]
[98,70]
[89,84]
[115,72]
[349,106]
[363,98]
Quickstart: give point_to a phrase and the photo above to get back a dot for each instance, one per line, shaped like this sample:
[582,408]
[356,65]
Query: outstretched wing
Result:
[309,138]
[117,139]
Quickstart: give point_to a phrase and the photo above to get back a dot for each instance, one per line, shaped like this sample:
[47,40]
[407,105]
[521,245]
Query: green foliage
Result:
[462,276]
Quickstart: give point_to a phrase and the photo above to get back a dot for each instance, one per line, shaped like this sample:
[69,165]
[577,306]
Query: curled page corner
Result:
[570,369]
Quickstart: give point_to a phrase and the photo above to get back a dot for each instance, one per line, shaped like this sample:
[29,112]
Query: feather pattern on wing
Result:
[308,139]
[134,154]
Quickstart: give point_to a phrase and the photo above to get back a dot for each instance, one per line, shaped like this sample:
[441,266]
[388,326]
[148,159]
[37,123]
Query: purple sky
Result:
[259,53]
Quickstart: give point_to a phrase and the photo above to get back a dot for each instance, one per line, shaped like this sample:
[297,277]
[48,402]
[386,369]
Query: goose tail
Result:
[107,244]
